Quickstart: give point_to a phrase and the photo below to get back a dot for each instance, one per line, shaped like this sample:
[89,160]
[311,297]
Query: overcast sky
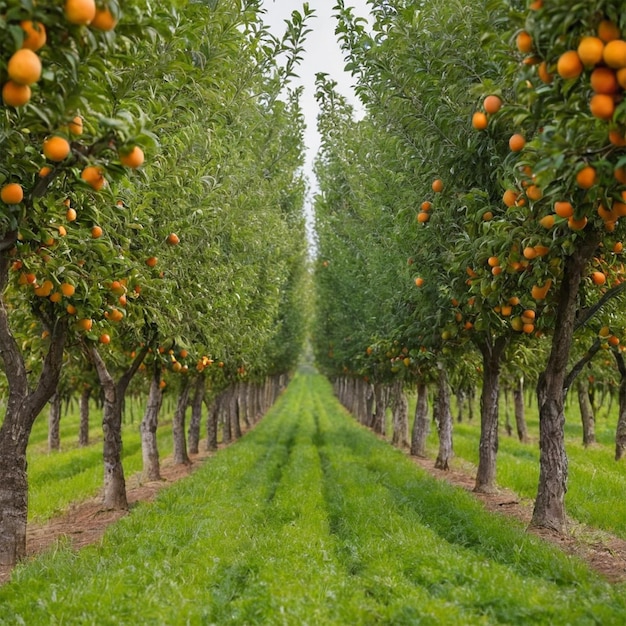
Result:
[322,55]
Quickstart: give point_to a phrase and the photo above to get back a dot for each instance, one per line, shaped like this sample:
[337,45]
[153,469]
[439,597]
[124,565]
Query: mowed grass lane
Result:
[310,519]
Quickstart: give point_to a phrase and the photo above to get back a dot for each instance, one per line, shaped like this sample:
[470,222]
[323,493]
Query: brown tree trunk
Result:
[179,454]
[233,409]
[444,421]
[489,405]
[196,416]
[211,424]
[114,482]
[620,432]
[400,412]
[586,412]
[421,423]
[54,422]
[520,414]
[149,425]
[381,400]
[23,404]
[549,510]
[83,429]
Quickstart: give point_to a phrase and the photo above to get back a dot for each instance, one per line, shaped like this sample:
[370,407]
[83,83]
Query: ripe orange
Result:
[423,217]
[564,209]
[14,94]
[151,261]
[608,31]
[437,185]
[133,158]
[116,315]
[93,175]
[71,309]
[621,77]
[534,193]
[586,177]
[419,281]
[590,51]
[492,104]
[479,120]
[510,198]
[96,232]
[620,174]
[12,193]
[541,250]
[602,106]
[615,54]
[55,297]
[34,35]
[529,253]
[617,138]
[70,215]
[76,126]
[497,270]
[540,293]
[24,67]
[598,278]
[56,148]
[68,290]
[105,338]
[618,247]
[524,42]
[103,20]
[569,65]
[426,206]
[493,261]
[85,324]
[528,328]
[544,74]
[577,224]
[80,12]
[487,216]
[547,221]
[44,171]
[517,142]
[604,80]
[613,341]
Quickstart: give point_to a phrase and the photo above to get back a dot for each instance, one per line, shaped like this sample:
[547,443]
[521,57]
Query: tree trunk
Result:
[520,415]
[444,421]
[179,454]
[211,424]
[54,422]
[489,406]
[549,510]
[620,433]
[233,410]
[400,435]
[114,482]
[149,425]
[460,399]
[381,400]
[507,412]
[421,422]
[196,416]
[83,430]
[586,412]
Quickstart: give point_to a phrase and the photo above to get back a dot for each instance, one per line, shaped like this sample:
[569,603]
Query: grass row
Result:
[310,519]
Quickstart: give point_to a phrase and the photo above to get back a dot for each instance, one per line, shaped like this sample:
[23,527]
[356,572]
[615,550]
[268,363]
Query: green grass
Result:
[310,519]
[596,481]
[73,474]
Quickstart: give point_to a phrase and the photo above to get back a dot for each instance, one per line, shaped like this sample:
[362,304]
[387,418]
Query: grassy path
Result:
[311,520]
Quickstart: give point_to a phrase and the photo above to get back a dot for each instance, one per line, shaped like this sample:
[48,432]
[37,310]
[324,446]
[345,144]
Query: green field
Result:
[310,519]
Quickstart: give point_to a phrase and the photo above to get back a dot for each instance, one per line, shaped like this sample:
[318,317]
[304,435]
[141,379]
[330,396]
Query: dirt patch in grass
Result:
[605,553]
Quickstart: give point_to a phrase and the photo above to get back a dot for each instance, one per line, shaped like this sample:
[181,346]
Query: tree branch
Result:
[587,314]
[569,379]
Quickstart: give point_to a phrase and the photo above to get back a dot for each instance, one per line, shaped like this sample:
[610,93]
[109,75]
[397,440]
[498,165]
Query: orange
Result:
[151,261]
[68,290]
[437,185]
[479,121]
[517,142]
[544,74]
[56,148]
[76,126]
[615,54]
[492,104]
[14,94]
[529,253]
[569,65]
[24,67]
[96,232]
[618,209]
[55,297]
[115,315]
[506,310]
[586,177]
[604,80]
[105,338]
[103,20]
[577,224]
[62,231]
[44,171]
[71,309]
[173,239]
[423,217]
[510,197]
[620,175]
[85,324]
[605,214]
[541,250]
[528,328]
[426,206]
[608,31]
[44,290]
[590,51]
[536,5]
[80,12]
[602,106]
[621,77]
[34,35]
[547,221]
[133,159]
[12,193]
[564,209]
[540,293]
[613,341]
[618,247]
[528,315]
[534,193]
[524,42]
[70,215]
[487,216]
[598,278]
[419,282]
[493,261]
[94,177]
[617,138]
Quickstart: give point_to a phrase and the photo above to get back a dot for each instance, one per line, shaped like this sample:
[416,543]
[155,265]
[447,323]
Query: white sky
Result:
[322,55]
